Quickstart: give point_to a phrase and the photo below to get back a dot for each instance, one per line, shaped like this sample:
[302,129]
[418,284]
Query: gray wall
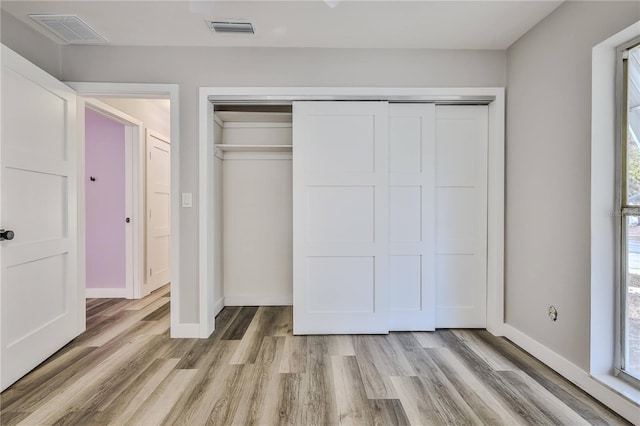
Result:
[548,173]
[195,67]
[30,44]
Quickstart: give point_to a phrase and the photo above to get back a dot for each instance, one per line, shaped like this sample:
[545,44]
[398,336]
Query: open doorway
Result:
[127,196]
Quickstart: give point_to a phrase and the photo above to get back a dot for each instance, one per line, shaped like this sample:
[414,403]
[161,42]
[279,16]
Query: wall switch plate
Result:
[187,199]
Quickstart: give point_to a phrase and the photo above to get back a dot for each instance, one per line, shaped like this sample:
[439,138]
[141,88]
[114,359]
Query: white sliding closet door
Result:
[412,217]
[461,216]
[340,217]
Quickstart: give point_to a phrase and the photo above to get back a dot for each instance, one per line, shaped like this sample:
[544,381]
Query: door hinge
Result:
[625,54]
[150,272]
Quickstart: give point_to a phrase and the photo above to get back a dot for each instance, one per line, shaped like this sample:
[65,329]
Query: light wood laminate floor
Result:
[126,370]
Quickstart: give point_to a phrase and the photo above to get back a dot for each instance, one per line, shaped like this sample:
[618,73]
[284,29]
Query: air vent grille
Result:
[70,28]
[231,27]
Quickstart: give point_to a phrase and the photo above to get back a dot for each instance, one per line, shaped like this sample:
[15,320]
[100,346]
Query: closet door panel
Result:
[455,216]
[341,214]
[405,150]
[405,214]
[457,271]
[343,284]
[458,149]
[412,217]
[340,217]
[350,150]
[406,274]
[461,252]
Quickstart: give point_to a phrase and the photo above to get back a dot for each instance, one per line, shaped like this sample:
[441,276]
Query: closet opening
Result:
[335,161]
[253,204]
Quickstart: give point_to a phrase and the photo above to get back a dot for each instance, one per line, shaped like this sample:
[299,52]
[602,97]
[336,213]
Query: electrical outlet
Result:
[553,313]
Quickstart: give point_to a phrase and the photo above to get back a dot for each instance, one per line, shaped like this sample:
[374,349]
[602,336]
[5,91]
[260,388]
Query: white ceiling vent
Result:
[227,26]
[70,28]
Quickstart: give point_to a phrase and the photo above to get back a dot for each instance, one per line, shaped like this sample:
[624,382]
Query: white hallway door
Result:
[158,201]
[340,217]
[40,307]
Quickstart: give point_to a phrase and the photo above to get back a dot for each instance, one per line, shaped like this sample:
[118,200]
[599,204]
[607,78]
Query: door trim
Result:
[155,91]
[134,191]
[494,97]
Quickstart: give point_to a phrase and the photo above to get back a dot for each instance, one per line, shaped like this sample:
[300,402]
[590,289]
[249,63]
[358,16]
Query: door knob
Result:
[6,235]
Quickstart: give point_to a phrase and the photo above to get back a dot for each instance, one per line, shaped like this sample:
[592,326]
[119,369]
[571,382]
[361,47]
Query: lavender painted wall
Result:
[105,201]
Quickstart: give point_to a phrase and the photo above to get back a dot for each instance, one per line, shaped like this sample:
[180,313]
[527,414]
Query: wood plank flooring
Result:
[252,371]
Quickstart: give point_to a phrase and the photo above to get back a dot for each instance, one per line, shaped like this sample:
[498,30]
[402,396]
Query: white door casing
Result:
[340,217]
[158,205]
[412,217]
[39,303]
[461,216]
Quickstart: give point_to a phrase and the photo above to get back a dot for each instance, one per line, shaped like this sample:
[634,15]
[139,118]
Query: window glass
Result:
[630,214]
[632,298]
[633,130]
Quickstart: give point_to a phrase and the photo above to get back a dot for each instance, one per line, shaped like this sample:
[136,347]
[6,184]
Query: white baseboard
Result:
[211,326]
[110,293]
[603,393]
[217,307]
[259,300]
[185,331]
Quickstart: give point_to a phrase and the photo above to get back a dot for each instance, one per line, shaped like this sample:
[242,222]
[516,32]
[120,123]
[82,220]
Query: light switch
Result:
[187,199]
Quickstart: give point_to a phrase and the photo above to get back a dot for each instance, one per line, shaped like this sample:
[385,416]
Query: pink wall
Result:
[105,201]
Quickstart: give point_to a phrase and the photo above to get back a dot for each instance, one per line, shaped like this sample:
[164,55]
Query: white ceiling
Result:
[304,23]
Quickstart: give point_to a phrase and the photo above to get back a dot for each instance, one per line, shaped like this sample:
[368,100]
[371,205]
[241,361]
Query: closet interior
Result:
[253,204]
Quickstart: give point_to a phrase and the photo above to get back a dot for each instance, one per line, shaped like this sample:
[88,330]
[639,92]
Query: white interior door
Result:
[39,295]
[461,215]
[158,201]
[340,217]
[412,298]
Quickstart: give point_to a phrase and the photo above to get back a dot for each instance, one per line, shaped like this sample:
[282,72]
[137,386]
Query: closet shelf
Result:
[253,152]
[253,148]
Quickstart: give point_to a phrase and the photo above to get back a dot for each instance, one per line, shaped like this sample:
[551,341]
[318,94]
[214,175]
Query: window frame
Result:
[623,209]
